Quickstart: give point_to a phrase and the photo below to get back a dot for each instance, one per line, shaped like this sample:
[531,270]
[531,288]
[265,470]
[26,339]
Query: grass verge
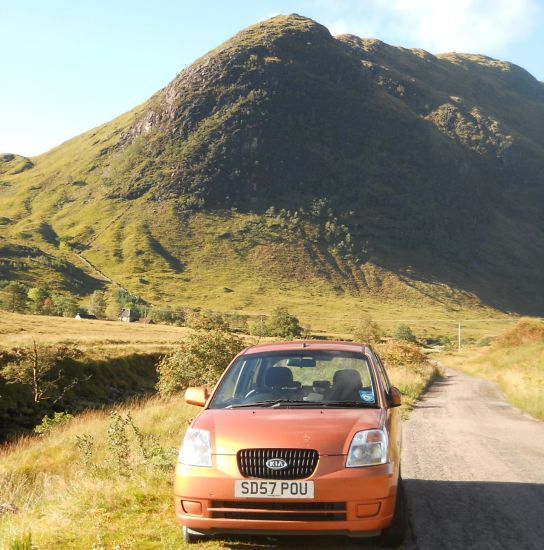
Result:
[66,489]
[515,362]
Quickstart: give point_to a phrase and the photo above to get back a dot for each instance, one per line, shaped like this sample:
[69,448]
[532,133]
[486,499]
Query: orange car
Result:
[297,438]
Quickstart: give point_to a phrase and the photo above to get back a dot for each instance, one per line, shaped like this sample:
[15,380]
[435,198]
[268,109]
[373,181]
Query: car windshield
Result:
[297,379]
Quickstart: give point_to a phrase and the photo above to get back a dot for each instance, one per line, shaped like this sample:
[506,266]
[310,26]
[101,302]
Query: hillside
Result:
[291,166]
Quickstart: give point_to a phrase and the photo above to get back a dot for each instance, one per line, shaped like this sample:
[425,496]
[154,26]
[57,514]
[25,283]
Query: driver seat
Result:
[346,384]
[279,378]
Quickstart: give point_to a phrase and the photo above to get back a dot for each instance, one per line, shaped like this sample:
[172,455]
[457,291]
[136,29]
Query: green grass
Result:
[118,361]
[65,504]
[175,214]
[65,501]
[515,362]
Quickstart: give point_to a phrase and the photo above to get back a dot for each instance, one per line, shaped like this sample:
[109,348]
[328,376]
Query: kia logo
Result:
[276,464]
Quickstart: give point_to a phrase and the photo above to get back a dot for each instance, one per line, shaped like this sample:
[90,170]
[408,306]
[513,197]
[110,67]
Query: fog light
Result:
[367,510]
[191,507]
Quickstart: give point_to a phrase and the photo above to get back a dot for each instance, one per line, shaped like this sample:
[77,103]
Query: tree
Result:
[282,324]
[37,296]
[98,304]
[118,299]
[13,297]
[207,320]
[48,307]
[198,361]
[404,332]
[65,305]
[38,367]
[113,309]
[368,331]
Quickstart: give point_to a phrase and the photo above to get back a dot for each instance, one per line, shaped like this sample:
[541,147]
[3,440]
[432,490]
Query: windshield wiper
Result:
[347,404]
[275,403]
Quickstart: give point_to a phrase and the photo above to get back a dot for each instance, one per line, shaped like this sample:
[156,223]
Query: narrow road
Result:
[474,470]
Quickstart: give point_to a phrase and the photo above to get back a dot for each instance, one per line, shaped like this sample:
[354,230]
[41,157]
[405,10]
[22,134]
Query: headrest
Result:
[321,384]
[347,377]
[278,377]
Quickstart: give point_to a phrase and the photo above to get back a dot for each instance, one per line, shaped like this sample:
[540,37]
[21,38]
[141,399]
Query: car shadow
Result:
[475,514]
[444,515]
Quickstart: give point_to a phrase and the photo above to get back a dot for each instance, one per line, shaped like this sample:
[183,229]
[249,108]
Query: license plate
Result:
[273,489]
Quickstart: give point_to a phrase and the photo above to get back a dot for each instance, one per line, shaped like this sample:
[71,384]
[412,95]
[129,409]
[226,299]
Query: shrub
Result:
[238,322]
[368,331]
[408,368]
[258,326]
[525,331]
[404,332]
[85,446]
[207,321]
[199,360]
[169,315]
[47,423]
[282,324]
[130,449]
[118,443]
[485,341]
[399,353]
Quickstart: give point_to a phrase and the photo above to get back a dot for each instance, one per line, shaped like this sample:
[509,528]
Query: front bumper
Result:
[348,501]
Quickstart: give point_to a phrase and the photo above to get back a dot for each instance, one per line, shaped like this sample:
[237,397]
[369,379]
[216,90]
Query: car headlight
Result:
[196,449]
[367,448]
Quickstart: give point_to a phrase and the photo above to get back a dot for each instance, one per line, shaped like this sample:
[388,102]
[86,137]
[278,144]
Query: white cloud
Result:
[479,26]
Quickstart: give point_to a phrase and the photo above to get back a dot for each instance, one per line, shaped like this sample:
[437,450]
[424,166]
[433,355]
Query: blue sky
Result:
[67,66]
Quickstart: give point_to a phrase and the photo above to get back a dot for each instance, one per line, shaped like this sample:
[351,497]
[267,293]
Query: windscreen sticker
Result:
[366,396]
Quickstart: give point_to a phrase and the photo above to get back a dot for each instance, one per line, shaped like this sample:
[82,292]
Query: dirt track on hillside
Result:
[474,470]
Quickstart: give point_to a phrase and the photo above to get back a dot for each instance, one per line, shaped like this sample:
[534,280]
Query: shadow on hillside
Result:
[172,261]
[508,287]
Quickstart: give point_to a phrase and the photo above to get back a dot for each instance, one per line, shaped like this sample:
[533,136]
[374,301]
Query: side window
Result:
[383,374]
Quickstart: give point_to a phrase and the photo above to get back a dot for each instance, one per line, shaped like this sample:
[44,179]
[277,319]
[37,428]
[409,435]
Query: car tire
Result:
[395,534]
[189,536]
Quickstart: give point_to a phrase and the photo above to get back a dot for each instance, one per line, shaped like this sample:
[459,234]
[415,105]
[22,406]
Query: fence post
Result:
[459,336]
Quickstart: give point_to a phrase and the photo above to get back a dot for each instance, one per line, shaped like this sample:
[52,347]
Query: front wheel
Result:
[395,534]
[189,536]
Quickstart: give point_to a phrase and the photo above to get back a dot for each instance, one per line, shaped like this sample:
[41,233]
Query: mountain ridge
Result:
[426,167]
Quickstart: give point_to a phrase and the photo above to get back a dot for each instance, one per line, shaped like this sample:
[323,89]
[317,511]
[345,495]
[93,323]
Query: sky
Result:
[67,66]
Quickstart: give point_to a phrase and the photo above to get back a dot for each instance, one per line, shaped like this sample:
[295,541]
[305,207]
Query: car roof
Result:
[308,345]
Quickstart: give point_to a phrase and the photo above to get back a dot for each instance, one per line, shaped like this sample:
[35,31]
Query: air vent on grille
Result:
[301,463]
[279,511]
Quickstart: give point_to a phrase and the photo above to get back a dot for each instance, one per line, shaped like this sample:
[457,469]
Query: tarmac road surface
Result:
[474,470]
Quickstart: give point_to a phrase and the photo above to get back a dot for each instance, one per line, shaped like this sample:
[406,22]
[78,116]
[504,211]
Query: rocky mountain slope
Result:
[290,160]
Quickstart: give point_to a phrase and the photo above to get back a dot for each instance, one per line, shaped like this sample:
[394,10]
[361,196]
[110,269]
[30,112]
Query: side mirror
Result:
[395,399]
[196,396]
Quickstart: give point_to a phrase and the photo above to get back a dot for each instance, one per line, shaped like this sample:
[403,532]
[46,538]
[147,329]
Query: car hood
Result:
[329,431]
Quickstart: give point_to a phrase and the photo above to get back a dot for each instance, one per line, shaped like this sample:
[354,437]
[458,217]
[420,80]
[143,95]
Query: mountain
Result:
[294,166]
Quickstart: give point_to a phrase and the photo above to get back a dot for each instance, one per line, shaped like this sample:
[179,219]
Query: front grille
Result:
[279,511]
[301,463]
